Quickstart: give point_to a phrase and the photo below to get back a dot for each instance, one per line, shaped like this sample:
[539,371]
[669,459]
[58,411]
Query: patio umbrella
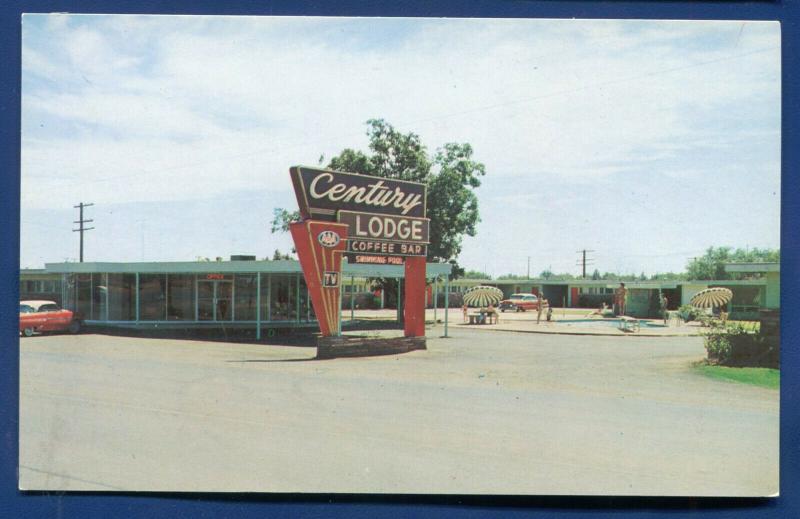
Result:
[711,297]
[482,296]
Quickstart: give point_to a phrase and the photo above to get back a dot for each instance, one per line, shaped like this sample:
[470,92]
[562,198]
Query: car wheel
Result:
[503,310]
[74,327]
[27,332]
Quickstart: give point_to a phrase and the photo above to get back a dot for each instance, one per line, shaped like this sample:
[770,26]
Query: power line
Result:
[81,229]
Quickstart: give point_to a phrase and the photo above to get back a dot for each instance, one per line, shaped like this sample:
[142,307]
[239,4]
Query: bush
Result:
[690,313]
[737,344]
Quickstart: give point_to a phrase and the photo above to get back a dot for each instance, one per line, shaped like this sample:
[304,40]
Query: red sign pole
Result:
[319,247]
[415,297]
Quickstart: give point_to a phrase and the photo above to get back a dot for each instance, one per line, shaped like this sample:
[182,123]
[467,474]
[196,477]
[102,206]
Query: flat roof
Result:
[231,267]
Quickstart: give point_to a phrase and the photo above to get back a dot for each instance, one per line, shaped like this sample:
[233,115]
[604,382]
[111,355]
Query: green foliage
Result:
[278,255]
[669,276]
[476,274]
[689,313]
[720,337]
[511,276]
[281,218]
[451,174]
[596,275]
[712,264]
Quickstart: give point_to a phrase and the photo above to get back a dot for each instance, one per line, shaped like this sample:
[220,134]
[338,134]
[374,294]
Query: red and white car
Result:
[519,303]
[45,316]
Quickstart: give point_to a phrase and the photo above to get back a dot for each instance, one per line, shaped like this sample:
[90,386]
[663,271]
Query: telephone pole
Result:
[529,268]
[80,221]
[584,261]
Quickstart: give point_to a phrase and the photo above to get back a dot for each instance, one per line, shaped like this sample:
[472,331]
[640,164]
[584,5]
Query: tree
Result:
[712,264]
[596,275]
[278,255]
[511,276]
[451,174]
[476,274]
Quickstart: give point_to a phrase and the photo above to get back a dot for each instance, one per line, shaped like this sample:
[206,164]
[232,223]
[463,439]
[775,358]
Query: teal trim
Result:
[233,267]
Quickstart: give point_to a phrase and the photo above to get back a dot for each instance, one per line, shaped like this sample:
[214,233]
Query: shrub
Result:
[736,344]
[689,313]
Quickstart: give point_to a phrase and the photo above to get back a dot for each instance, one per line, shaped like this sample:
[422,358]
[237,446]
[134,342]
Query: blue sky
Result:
[644,141]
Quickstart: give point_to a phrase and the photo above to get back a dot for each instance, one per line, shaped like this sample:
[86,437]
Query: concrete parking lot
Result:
[480,412]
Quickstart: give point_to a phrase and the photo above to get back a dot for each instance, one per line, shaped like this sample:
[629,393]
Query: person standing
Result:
[619,298]
[464,311]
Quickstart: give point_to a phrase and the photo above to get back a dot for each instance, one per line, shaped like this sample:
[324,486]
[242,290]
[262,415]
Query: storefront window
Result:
[306,308]
[265,309]
[121,297]
[245,297]
[152,297]
[283,301]
[180,297]
[83,290]
[99,296]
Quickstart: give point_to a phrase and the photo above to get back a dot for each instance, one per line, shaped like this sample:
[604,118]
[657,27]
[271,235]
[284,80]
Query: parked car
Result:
[45,316]
[519,303]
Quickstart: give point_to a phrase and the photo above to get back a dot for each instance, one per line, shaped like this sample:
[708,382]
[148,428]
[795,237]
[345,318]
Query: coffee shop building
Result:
[238,294]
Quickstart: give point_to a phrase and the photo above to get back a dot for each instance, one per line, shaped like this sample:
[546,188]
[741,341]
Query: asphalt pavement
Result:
[477,413]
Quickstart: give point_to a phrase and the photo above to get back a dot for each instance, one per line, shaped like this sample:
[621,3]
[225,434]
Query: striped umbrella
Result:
[482,296]
[711,297]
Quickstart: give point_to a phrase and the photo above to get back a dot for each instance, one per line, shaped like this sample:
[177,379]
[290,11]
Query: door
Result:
[214,300]
[575,296]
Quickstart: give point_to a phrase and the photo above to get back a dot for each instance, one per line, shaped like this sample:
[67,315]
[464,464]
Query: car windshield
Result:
[49,308]
[26,309]
[529,298]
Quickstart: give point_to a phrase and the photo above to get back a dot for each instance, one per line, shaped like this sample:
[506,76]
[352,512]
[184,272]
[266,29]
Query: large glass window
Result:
[83,290]
[266,308]
[152,297]
[245,297]
[306,308]
[99,296]
[283,297]
[121,297]
[180,297]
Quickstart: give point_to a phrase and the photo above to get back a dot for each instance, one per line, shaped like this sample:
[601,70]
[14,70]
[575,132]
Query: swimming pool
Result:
[605,323]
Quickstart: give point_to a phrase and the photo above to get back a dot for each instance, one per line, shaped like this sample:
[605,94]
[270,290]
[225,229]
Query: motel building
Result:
[270,295]
[750,296]
[240,294]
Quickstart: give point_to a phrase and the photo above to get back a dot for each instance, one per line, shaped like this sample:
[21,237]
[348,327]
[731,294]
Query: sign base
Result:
[354,346]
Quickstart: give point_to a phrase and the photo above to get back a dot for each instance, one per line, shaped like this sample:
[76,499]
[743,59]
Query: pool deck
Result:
[554,327]
[525,322]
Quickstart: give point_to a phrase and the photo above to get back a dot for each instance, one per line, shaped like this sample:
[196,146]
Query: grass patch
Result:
[761,377]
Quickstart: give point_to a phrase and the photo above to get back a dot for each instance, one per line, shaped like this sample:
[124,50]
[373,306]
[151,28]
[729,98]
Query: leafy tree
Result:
[712,264]
[511,276]
[278,255]
[546,274]
[596,275]
[668,276]
[476,274]
[451,174]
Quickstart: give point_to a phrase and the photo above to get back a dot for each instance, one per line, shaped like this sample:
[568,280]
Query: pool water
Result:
[605,323]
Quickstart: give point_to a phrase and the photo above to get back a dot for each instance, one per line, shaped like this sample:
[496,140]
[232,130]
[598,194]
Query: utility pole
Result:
[529,268]
[584,261]
[80,221]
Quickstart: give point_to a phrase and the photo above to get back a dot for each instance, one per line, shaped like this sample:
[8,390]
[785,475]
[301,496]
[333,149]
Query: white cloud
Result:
[172,107]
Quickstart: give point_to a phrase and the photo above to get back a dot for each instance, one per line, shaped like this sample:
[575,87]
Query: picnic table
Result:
[629,324]
[481,317]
